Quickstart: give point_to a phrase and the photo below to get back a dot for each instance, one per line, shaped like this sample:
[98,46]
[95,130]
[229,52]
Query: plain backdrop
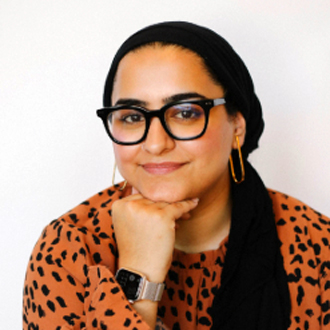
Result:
[54,56]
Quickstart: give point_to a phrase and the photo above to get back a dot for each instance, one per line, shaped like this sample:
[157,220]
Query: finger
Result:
[139,197]
[180,208]
[185,216]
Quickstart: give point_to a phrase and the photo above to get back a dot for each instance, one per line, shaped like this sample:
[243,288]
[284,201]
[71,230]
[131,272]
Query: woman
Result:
[192,212]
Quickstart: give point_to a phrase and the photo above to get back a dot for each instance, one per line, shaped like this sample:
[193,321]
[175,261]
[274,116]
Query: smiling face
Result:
[161,168]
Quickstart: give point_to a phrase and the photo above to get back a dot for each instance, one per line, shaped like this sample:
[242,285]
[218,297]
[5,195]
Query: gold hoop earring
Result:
[241,164]
[113,179]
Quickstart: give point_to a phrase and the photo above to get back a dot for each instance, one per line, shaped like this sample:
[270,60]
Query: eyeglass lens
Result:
[184,121]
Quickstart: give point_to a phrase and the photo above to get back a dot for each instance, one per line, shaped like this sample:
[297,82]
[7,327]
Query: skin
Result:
[185,205]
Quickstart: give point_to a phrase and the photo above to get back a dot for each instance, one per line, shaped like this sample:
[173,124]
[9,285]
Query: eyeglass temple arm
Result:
[219,101]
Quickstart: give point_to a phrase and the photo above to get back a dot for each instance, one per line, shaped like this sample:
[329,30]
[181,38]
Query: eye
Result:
[128,116]
[186,112]
[134,118]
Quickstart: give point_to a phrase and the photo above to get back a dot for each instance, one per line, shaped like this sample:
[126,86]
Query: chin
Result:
[164,195]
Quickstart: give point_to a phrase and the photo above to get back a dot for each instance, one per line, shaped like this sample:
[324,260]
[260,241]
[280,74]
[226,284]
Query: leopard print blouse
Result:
[70,281]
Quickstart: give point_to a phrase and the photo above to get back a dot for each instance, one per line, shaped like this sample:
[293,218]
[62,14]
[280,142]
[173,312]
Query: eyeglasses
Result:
[183,120]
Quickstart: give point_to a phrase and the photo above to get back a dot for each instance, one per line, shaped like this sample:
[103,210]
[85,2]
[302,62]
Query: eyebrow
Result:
[172,98]
[182,97]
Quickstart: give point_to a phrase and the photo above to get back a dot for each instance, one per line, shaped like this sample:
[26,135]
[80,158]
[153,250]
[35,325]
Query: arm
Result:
[64,289]
[145,233]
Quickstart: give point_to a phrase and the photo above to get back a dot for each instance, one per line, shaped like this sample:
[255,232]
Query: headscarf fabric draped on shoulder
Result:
[253,292]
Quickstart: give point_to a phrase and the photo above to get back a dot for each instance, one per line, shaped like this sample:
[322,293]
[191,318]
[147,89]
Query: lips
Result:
[162,168]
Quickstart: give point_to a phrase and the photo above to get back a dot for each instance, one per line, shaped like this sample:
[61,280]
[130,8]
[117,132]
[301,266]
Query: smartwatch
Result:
[136,286]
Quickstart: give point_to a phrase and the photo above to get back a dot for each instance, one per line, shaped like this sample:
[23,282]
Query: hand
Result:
[145,233]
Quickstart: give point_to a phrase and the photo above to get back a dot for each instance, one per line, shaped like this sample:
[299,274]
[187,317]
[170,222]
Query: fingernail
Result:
[195,200]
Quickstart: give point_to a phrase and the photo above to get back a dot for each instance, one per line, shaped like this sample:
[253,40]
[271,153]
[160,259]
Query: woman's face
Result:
[161,168]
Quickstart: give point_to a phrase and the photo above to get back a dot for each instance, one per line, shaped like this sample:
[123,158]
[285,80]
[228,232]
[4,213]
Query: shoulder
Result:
[92,212]
[72,264]
[289,210]
[303,232]
[304,236]
[84,235]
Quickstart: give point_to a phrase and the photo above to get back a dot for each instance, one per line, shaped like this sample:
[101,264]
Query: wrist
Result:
[152,273]
[137,287]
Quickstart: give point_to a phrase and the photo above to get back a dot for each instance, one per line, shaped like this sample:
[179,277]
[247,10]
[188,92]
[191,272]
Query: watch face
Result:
[130,282]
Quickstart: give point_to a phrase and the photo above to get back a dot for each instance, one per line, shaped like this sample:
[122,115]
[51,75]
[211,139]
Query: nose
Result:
[157,140]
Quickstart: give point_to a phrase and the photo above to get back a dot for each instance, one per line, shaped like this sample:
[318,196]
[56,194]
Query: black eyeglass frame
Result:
[206,105]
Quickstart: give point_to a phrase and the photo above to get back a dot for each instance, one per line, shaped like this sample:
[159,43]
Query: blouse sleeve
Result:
[65,289]
[325,296]
[319,241]
[305,246]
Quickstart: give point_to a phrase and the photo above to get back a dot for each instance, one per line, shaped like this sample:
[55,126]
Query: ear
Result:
[239,129]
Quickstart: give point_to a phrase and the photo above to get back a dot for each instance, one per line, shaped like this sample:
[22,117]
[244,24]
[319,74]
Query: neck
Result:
[209,223]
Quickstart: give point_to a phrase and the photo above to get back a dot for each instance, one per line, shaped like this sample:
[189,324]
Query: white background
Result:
[54,56]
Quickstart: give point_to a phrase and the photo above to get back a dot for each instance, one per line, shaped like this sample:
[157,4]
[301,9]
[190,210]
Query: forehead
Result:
[157,56]
[164,71]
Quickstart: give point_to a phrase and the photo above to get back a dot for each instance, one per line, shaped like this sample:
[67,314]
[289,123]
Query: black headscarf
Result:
[254,292]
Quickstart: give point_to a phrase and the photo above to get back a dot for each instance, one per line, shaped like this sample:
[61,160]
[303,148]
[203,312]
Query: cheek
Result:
[216,144]
[125,156]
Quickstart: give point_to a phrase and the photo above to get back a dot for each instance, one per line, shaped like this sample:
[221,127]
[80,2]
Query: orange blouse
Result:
[70,281]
